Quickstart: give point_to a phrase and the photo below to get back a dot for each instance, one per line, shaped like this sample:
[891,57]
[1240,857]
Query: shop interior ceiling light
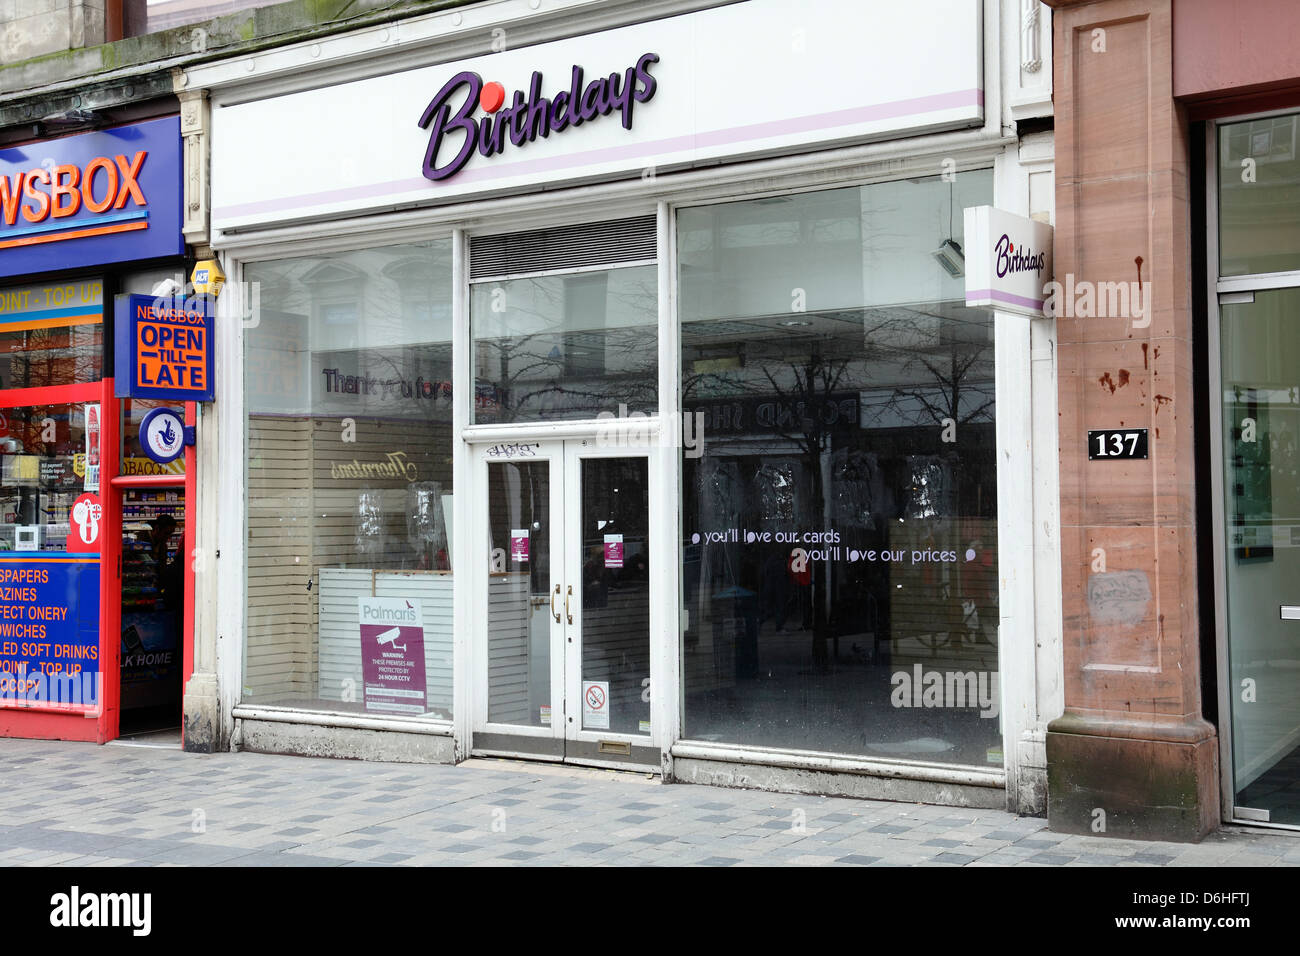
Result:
[950,258]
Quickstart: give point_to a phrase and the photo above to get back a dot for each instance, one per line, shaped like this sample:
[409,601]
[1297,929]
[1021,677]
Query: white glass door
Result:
[518,604]
[607,561]
[562,603]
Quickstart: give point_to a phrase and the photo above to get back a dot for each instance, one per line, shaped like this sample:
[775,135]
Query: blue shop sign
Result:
[113,195]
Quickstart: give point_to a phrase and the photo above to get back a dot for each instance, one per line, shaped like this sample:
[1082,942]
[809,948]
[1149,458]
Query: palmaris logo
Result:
[528,115]
[1011,259]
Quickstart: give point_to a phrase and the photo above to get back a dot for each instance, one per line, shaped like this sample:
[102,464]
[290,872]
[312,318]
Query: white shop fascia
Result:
[884,92]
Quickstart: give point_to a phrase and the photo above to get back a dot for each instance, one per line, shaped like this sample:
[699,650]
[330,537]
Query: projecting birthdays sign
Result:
[163,348]
[1008,261]
[49,631]
[109,196]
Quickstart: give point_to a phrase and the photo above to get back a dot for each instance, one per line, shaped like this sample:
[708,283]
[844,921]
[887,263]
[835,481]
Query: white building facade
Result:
[596,385]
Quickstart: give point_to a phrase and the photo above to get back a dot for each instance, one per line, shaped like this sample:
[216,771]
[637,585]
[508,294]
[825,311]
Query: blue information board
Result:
[49,630]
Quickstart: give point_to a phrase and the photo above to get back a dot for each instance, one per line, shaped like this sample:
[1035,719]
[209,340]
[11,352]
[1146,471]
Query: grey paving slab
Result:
[269,810]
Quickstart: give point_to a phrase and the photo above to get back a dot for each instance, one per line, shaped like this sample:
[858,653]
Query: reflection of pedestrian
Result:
[639,570]
[169,580]
[746,616]
[775,589]
[26,510]
[801,580]
[595,580]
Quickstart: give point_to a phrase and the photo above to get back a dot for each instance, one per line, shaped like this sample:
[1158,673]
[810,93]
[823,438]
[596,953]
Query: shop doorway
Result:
[1259,517]
[152,614]
[562,641]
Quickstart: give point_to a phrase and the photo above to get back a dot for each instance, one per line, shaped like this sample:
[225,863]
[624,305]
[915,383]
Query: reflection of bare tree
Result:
[951,386]
[812,383]
[52,356]
[565,356]
[923,366]
[952,373]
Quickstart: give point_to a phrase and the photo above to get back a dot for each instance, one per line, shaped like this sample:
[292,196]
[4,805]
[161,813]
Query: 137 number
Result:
[1116,444]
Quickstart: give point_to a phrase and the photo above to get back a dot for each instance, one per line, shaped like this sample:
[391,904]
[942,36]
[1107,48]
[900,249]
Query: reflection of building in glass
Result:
[852,448]
[348,376]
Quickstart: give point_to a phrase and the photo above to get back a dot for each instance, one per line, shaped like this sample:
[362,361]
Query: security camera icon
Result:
[389,638]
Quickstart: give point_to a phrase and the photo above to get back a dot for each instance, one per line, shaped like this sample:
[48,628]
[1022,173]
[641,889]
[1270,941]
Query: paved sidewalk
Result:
[83,805]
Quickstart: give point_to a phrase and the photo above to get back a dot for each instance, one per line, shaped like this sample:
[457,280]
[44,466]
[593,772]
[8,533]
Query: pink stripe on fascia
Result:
[591,157]
[721,137]
[845,117]
[724,137]
[999,296]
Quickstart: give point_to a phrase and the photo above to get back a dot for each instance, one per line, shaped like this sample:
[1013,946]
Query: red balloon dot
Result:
[1011,247]
[493,95]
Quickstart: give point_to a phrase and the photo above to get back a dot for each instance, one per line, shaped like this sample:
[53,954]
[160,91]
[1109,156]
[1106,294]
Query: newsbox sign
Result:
[163,348]
[113,195]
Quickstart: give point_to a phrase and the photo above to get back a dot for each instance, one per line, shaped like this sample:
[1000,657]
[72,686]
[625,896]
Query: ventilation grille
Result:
[565,247]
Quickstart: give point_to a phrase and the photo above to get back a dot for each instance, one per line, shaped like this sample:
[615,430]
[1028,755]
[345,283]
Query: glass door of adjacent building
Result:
[1255,403]
[562,606]
[1260,404]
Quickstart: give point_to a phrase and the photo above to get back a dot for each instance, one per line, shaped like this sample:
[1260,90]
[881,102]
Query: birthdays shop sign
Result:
[730,82]
[1008,261]
[526,117]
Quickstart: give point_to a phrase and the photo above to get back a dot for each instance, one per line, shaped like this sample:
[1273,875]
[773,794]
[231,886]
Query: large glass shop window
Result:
[555,347]
[839,513]
[51,334]
[43,471]
[348,388]
[1259,189]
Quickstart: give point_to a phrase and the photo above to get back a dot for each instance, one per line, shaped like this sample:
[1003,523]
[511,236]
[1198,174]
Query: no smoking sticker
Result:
[595,705]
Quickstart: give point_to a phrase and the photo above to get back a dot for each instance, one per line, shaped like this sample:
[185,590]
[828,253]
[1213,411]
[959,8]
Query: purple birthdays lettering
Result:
[1011,259]
[449,114]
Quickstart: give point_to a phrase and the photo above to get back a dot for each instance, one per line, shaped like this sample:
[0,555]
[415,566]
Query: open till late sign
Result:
[163,348]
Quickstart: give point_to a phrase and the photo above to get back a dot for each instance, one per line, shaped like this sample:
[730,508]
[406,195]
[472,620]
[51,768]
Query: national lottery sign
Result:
[163,348]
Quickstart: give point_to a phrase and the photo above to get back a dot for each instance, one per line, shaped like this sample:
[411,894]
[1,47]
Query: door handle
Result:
[567,612]
[553,610]
[1290,612]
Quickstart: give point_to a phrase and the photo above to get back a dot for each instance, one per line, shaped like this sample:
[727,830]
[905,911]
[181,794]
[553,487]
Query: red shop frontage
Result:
[96,594]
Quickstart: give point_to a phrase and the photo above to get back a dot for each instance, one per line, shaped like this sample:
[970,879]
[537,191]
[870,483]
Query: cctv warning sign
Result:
[392,654]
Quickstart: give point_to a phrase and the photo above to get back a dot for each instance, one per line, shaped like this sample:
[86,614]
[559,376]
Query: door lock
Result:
[553,610]
[568,613]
